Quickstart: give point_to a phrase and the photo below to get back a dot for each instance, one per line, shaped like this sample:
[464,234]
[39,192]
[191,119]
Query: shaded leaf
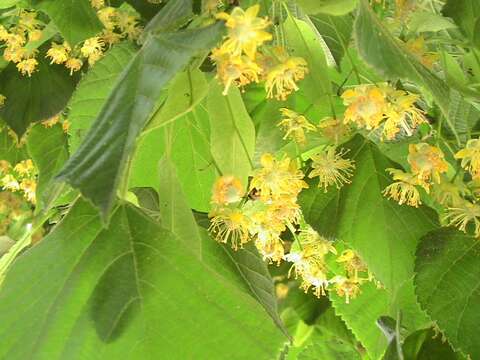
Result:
[76,19]
[35,98]
[448,286]
[466,14]
[93,90]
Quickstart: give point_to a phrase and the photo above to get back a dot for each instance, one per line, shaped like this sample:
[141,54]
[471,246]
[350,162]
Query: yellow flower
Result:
[73,64]
[464,214]
[236,70]
[5,167]
[10,183]
[14,54]
[271,248]
[403,190]
[282,79]
[107,17]
[51,121]
[25,167]
[344,287]
[28,66]
[128,25]
[28,21]
[227,190]
[2,100]
[277,178]
[418,49]
[402,114]
[295,126]
[97,4]
[58,53]
[3,33]
[230,225]
[15,40]
[471,157]
[334,129]
[331,168]
[29,186]
[365,106]
[110,37]
[352,264]
[316,277]
[65,126]
[92,47]
[245,31]
[427,163]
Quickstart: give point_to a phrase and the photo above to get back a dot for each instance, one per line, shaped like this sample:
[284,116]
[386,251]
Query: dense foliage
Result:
[274,179]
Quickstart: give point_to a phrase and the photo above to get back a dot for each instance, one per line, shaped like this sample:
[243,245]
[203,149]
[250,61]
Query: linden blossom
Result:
[470,157]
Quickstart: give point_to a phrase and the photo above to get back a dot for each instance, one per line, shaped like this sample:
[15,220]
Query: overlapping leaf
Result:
[99,163]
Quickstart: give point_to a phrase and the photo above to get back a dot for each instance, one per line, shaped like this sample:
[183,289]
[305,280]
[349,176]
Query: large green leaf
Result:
[130,291]
[330,7]
[304,42]
[385,53]
[466,14]
[48,149]
[364,218]
[35,98]
[232,134]
[99,163]
[94,89]
[336,31]
[9,149]
[448,286]
[75,19]
[189,138]
[187,90]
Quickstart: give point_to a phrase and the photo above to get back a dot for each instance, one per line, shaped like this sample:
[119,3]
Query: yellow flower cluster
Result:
[12,209]
[382,107]
[270,209]
[239,62]
[19,178]
[16,37]
[331,168]
[417,47]
[427,163]
[309,261]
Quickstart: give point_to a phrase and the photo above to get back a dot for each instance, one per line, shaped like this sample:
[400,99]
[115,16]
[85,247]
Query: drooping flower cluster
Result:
[270,209]
[239,61]
[27,29]
[383,107]
[19,178]
[427,163]
[311,256]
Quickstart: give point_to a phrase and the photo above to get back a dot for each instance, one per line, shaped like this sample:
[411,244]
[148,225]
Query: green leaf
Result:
[336,31]
[232,134]
[93,90]
[463,116]
[130,290]
[190,154]
[48,149]
[466,14]
[5,4]
[448,286]
[330,7]
[304,42]
[361,314]
[75,19]
[174,14]
[99,163]
[9,150]
[35,98]
[176,215]
[423,21]
[386,54]
[187,90]
[326,347]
